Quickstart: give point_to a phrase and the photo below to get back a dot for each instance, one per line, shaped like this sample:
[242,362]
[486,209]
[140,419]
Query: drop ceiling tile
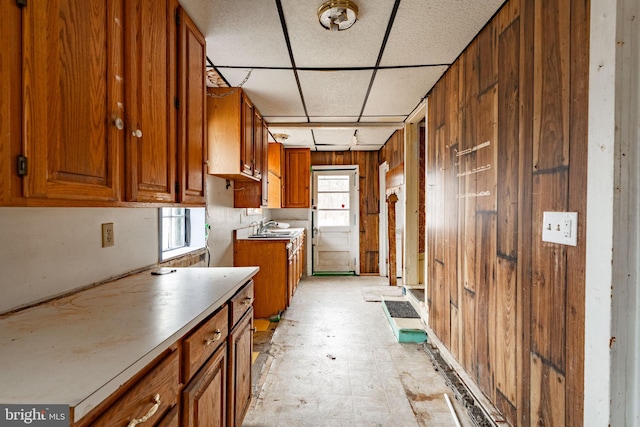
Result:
[373,136]
[333,119]
[332,147]
[297,137]
[339,93]
[284,119]
[399,91]
[334,136]
[274,92]
[245,33]
[314,46]
[383,119]
[436,31]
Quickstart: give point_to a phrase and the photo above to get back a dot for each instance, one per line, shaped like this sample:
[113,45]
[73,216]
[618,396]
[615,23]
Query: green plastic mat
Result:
[334,273]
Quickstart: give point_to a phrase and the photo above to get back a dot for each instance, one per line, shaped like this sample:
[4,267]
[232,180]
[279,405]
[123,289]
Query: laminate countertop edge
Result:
[79,349]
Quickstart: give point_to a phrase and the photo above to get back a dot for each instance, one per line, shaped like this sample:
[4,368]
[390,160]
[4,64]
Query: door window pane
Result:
[333,201]
[333,183]
[329,218]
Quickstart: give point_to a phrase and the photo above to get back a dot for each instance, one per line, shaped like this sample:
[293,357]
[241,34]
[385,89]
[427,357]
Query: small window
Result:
[174,228]
[181,230]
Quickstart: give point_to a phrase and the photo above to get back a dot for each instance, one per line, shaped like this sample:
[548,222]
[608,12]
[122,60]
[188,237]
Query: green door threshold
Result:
[334,273]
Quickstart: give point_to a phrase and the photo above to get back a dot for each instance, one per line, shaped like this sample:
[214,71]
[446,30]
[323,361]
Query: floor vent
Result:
[476,414]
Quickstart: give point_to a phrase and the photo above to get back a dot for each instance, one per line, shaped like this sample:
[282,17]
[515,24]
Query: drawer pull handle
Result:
[134,422]
[216,336]
[247,301]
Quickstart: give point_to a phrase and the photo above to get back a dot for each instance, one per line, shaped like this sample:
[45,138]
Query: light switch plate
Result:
[560,227]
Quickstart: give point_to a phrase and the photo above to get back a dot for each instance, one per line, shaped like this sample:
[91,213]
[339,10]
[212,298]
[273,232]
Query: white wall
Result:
[223,219]
[612,297]
[625,377]
[46,252]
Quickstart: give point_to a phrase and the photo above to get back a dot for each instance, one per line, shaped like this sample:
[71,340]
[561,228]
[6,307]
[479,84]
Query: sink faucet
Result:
[263,226]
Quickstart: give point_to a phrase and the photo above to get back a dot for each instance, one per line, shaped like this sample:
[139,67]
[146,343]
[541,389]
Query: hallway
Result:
[334,361]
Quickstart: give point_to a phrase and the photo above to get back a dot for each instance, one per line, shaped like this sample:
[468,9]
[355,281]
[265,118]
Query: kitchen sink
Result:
[280,231]
[271,235]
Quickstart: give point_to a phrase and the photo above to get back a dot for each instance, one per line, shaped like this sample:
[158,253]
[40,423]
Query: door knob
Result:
[137,133]
[118,123]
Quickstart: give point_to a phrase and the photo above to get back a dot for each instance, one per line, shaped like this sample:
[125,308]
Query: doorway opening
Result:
[335,221]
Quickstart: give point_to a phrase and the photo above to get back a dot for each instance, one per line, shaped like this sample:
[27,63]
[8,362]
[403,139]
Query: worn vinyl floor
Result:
[333,361]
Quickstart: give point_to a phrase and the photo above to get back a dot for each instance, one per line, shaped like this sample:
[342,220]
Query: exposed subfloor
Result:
[334,361]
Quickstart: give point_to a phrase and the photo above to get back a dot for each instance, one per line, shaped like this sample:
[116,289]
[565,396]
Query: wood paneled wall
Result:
[507,141]
[393,150]
[368,162]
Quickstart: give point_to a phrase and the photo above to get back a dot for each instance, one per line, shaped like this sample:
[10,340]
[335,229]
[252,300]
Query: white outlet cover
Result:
[560,227]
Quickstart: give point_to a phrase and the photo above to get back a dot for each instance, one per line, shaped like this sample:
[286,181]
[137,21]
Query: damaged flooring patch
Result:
[462,394]
[333,361]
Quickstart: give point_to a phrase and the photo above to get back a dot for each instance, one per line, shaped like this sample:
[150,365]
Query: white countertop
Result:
[79,349]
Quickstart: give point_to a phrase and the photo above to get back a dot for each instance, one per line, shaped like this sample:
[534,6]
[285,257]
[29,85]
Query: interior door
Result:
[335,222]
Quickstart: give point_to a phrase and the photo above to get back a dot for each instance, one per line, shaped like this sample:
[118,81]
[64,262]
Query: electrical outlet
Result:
[107,235]
[560,227]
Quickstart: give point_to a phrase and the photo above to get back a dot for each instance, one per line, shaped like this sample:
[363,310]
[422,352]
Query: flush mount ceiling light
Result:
[337,15]
[280,137]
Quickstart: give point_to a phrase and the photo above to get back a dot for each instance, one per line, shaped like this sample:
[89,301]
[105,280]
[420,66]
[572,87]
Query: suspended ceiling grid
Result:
[367,79]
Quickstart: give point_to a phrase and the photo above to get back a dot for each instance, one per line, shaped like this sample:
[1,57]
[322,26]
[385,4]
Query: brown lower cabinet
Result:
[240,352]
[203,400]
[172,419]
[149,398]
[281,265]
[203,380]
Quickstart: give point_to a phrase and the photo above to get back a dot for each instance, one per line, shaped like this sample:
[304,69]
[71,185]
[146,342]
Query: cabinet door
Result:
[265,164]
[276,154]
[152,396]
[192,112]
[172,419]
[296,177]
[246,138]
[10,101]
[204,398]
[240,351]
[70,107]
[257,145]
[150,76]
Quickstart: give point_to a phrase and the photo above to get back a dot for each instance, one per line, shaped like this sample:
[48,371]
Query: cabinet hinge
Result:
[21,3]
[176,103]
[22,166]
[177,17]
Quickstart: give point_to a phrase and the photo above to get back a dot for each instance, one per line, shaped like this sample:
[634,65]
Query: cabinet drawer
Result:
[241,303]
[203,341]
[153,396]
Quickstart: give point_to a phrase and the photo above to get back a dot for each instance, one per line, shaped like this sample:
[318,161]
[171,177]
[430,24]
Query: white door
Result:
[335,221]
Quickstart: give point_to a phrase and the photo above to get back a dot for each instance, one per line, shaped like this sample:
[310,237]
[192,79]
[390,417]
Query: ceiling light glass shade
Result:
[337,15]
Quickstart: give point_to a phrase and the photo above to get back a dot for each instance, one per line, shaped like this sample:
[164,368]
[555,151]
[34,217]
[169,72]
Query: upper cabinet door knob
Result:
[137,133]
[119,123]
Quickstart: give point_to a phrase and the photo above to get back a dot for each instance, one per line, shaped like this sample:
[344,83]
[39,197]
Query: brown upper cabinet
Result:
[192,119]
[275,175]
[297,176]
[73,113]
[109,120]
[235,130]
[150,90]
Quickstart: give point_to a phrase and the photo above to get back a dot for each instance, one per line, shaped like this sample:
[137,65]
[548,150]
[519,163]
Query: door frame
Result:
[383,247]
[411,204]
[355,197]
